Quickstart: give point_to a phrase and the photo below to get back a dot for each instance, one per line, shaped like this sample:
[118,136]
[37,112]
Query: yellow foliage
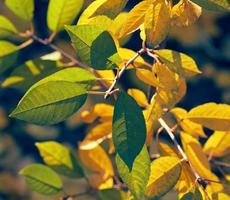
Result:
[139,96]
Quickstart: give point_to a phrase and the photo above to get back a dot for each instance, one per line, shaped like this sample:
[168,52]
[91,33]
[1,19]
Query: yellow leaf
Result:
[139,96]
[157,22]
[102,7]
[211,115]
[107,76]
[220,196]
[164,174]
[102,111]
[147,77]
[218,144]
[134,19]
[199,160]
[97,161]
[99,182]
[178,62]
[188,126]
[97,135]
[185,13]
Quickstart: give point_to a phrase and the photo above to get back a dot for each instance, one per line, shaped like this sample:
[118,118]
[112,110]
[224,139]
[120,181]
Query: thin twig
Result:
[223,164]
[102,93]
[119,74]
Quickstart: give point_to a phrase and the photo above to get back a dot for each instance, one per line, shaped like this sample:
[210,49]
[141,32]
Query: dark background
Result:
[208,42]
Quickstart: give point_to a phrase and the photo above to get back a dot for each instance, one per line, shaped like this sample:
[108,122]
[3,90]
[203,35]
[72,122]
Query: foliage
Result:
[114,157]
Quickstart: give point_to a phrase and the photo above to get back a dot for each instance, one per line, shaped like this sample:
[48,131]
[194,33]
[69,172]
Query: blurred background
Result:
[208,42]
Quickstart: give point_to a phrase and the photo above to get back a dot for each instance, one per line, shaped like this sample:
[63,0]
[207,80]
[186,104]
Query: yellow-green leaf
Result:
[165,172]
[157,22]
[59,158]
[178,62]
[211,115]
[214,5]
[62,12]
[6,27]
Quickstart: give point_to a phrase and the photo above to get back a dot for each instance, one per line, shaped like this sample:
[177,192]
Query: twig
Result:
[220,163]
[102,93]
[119,74]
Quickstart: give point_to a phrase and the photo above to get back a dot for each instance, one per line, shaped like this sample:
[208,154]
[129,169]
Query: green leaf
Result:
[29,73]
[211,115]
[22,8]
[129,131]
[42,179]
[54,98]
[94,46]
[60,159]
[137,178]
[6,27]
[102,7]
[214,5]
[8,55]
[62,12]
[165,172]
[112,194]
[193,195]
[178,62]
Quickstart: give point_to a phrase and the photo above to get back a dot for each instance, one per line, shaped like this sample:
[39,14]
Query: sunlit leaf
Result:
[214,5]
[218,144]
[59,158]
[147,77]
[54,98]
[129,131]
[185,13]
[188,126]
[22,8]
[134,19]
[139,96]
[136,179]
[178,62]
[193,195]
[165,172]
[42,179]
[6,27]
[94,46]
[112,194]
[157,22]
[211,115]
[62,13]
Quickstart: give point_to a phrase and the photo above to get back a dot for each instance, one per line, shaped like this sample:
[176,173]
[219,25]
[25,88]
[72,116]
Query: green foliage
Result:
[6,27]
[95,46]
[62,12]
[136,179]
[193,195]
[129,131]
[214,5]
[22,8]
[42,179]
[54,98]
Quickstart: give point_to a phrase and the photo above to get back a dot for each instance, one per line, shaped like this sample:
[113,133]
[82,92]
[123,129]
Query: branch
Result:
[120,73]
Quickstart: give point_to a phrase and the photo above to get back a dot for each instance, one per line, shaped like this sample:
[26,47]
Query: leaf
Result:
[185,13]
[95,46]
[22,8]
[129,131]
[112,194]
[211,115]
[102,7]
[6,27]
[178,62]
[62,13]
[42,179]
[218,144]
[220,196]
[157,22]
[134,19]
[147,77]
[188,126]
[196,195]
[214,5]
[8,55]
[136,179]
[97,135]
[97,161]
[139,96]
[59,158]
[165,172]
[53,99]
[29,73]
[99,181]
[199,160]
